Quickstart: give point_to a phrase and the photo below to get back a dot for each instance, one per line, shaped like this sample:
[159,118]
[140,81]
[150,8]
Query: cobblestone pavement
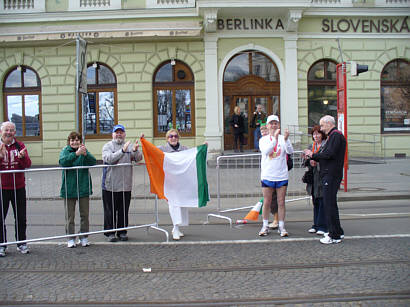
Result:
[372,271]
[370,268]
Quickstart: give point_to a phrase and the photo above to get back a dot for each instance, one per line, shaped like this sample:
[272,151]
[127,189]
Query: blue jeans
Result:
[256,136]
[319,218]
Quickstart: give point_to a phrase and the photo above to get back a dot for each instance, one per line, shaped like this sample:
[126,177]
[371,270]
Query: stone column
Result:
[213,130]
[289,103]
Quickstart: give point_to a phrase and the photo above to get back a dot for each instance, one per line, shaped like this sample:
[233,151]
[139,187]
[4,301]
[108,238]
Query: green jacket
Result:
[68,158]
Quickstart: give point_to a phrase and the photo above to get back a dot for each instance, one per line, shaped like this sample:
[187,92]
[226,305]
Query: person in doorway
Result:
[238,127]
[258,118]
[13,156]
[315,188]
[331,161]
[76,185]
[179,215]
[274,172]
[117,182]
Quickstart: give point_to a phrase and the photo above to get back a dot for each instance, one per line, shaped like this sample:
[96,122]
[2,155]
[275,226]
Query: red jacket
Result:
[12,162]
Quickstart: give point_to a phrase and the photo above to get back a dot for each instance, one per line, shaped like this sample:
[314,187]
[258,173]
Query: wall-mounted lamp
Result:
[19,68]
[173,62]
[325,101]
[95,65]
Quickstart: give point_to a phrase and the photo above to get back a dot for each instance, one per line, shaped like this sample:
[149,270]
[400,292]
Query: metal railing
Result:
[154,4]
[238,178]
[46,209]
[22,6]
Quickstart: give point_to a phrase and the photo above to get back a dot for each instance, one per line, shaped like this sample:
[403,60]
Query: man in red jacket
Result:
[13,156]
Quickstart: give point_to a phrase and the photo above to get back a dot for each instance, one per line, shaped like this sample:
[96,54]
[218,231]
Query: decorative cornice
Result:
[293,19]
[210,18]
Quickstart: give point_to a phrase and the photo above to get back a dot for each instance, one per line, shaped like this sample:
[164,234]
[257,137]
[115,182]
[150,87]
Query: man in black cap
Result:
[117,182]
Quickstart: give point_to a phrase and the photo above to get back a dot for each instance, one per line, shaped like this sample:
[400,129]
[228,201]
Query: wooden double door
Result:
[248,104]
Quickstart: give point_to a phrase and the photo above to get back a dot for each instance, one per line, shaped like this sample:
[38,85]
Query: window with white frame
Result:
[101,101]
[395,96]
[22,102]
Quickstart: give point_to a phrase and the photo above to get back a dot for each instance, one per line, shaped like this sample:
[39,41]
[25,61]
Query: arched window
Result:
[395,96]
[251,63]
[322,96]
[174,101]
[101,103]
[22,102]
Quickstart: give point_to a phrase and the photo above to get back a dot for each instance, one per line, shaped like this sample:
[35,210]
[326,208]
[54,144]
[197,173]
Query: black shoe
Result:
[123,237]
[111,238]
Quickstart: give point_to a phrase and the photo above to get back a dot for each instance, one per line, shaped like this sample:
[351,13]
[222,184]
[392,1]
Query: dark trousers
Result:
[330,188]
[116,207]
[319,218]
[236,138]
[19,204]
[256,136]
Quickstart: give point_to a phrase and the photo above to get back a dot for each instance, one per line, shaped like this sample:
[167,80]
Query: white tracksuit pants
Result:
[179,215]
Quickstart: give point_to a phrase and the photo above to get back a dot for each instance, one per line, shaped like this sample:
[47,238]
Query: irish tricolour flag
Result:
[179,177]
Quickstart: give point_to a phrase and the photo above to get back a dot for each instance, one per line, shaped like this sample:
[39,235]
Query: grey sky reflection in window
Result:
[164,74]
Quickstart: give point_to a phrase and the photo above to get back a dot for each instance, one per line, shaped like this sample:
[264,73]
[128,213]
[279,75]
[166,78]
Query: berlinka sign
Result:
[250,24]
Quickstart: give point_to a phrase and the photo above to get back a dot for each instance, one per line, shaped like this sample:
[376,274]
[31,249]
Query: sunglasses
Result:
[173,136]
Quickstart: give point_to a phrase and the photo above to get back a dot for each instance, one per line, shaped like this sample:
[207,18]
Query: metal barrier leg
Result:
[163,230]
[219,216]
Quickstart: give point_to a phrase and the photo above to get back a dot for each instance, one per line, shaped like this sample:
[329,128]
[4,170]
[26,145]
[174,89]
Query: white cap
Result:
[271,118]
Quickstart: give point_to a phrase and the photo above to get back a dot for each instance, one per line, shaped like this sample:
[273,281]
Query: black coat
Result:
[332,155]
[237,120]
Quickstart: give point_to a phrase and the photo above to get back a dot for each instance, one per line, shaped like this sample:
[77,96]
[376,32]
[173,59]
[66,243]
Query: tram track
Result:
[250,301]
[243,268]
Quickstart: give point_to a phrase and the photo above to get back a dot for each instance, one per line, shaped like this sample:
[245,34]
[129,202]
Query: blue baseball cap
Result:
[116,127]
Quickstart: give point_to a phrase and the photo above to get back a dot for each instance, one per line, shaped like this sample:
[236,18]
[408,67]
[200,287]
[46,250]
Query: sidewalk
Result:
[375,183]
[371,181]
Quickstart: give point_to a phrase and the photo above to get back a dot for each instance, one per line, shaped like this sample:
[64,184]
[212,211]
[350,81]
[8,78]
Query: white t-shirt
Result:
[273,165]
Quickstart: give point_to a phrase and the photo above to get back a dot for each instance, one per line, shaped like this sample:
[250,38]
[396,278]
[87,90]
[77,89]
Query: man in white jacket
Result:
[117,182]
[274,172]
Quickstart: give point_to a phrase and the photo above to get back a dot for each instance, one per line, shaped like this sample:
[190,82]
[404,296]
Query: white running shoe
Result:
[326,234]
[176,236]
[313,230]
[283,232]
[71,243]
[23,249]
[264,231]
[329,240]
[84,242]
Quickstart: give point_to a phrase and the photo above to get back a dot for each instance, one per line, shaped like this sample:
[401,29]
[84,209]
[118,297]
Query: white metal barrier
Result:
[45,207]
[238,178]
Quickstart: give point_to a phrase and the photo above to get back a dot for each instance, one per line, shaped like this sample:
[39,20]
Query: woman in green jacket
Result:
[76,184]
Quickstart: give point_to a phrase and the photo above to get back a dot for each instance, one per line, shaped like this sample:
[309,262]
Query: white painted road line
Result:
[284,240]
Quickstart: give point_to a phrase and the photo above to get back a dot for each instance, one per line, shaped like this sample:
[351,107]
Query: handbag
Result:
[308,176]
[289,161]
